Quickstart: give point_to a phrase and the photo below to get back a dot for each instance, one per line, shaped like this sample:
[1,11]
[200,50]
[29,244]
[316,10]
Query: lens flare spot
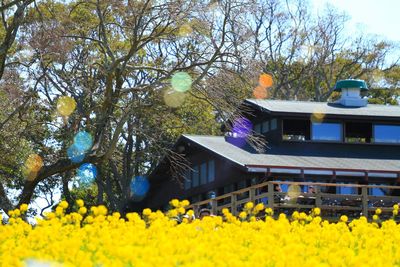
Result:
[318,116]
[87,173]
[75,154]
[181,81]
[185,30]
[173,98]
[83,141]
[293,191]
[242,127]
[265,80]
[66,105]
[33,163]
[139,187]
[260,92]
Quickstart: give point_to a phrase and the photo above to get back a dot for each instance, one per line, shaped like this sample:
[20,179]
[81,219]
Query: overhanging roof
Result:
[255,162]
[306,107]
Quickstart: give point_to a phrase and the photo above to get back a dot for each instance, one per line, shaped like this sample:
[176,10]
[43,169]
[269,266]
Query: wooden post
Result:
[214,206]
[252,194]
[364,197]
[318,200]
[270,195]
[233,204]
[196,210]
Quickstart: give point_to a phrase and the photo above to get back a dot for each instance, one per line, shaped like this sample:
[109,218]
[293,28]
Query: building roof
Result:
[307,107]
[252,161]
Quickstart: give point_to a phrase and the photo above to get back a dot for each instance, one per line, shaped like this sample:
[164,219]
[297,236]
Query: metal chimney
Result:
[350,92]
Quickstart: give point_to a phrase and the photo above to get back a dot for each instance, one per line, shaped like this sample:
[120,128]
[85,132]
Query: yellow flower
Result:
[302,216]
[190,213]
[59,211]
[82,210]
[396,206]
[174,203]
[63,204]
[249,205]
[23,207]
[102,210]
[80,203]
[185,203]
[259,207]
[317,211]
[17,212]
[146,212]
[94,210]
[378,211]
[181,210]
[375,217]
[344,218]
[295,215]
[269,211]
[242,215]
[395,212]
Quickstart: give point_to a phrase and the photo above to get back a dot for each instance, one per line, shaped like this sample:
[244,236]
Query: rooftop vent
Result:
[350,96]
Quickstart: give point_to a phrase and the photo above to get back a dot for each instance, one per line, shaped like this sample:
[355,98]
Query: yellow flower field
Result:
[95,238]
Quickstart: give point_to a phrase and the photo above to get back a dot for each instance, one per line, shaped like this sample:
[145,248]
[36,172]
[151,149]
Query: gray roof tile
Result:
[218,145]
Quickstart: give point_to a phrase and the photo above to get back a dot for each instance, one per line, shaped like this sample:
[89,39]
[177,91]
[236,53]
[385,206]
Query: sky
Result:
[379,17]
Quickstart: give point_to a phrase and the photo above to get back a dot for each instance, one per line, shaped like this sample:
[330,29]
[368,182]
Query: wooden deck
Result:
[332,205]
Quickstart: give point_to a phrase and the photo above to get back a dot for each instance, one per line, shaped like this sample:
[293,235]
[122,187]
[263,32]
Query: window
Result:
[257,128]
[211,171]
[188,180]
[376,192]
[327,131]
[265,127]
[356,132]
[195,176]
[386,133]
[203,173]
[273,124]
[296,130]
[346,190]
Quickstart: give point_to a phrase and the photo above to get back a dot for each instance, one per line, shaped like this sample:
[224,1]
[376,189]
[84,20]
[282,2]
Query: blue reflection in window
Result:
[211,171]
[203,173]
[376,192]
[188,180]
[387,133]
[327,131]
[345,190]
[195,176]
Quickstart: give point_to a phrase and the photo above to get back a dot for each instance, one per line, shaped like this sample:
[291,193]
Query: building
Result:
[348,141]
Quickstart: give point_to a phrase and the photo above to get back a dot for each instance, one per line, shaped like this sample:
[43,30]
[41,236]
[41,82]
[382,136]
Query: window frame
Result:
[374,134]
[341,129]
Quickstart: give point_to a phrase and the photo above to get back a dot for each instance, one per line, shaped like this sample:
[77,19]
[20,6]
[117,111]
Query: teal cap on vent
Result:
[350,83]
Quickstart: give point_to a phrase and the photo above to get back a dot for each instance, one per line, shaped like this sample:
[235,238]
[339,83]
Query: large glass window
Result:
[195,176]
[386,133]
[265,127]
[358,132]
[203,173]
[274,124]
[346,190]
[257,128]
[297,130]
[188,180]
[327,131]
[211,171]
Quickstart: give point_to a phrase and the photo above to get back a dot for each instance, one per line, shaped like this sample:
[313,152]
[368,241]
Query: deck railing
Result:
[332,205]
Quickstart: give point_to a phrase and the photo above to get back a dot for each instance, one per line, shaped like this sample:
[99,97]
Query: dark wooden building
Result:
[343,142]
